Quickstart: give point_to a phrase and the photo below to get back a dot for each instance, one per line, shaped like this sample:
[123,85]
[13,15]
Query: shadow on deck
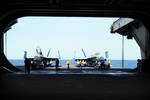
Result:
[77,84]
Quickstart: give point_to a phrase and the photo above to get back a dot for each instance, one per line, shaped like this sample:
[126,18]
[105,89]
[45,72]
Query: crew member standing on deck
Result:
[57,64]
[139,65]
[25,60]
[108,63]
[102,63]
[68,63]
[27,63]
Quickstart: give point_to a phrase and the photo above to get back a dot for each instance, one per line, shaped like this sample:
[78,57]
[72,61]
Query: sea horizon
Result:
[115,63]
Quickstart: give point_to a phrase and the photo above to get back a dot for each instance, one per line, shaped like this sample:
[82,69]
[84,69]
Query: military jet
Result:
[87,61]
[94,60]
[41,61]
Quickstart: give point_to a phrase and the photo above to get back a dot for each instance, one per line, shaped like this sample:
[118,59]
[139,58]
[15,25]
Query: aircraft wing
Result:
[81,59]
[87,59]
[92,59]
[50,59]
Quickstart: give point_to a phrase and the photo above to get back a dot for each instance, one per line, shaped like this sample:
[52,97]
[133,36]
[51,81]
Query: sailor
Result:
[68,63]
[25,60]
[102,63]
[57,64]
[27,65]
[99,62]
[139,65]
[108,63]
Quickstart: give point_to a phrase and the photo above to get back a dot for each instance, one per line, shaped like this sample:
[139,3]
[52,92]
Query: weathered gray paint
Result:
[120,23]
[136,29]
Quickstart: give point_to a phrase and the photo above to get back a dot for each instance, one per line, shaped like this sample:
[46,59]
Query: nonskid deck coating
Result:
[105,72]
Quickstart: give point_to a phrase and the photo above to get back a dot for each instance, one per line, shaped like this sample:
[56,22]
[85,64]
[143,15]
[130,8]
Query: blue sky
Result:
[68,35]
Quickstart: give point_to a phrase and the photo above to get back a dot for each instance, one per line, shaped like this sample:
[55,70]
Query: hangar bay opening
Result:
[82,45]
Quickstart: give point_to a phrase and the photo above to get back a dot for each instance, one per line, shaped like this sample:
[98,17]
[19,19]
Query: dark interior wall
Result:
[73,86]
[1,43]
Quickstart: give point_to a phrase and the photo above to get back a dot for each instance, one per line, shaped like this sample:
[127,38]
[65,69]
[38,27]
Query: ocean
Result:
[115,63]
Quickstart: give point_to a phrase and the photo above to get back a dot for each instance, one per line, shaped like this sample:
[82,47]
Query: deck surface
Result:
[75,84]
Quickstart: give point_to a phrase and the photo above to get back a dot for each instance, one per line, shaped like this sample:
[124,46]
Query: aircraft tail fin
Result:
[83,52]
[48,52]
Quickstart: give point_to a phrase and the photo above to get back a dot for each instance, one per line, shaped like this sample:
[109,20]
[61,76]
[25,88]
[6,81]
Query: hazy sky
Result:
[68,35]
